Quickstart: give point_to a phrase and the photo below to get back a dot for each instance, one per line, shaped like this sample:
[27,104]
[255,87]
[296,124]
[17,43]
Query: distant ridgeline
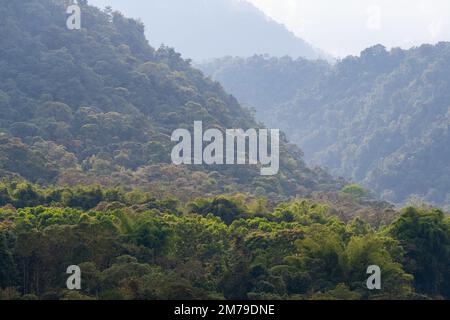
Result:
[209,29]
[381,119]
[98,105]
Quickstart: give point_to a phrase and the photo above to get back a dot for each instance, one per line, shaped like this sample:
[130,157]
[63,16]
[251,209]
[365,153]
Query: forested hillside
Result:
[98,105]
[381,119]
[263,83]
[87,180]
[210,29]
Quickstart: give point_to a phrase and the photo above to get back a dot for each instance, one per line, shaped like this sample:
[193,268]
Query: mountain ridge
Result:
[203,30]
[98,105]
[380,119]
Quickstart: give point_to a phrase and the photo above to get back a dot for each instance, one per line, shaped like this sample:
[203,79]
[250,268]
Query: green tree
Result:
[8,270]
[425,237]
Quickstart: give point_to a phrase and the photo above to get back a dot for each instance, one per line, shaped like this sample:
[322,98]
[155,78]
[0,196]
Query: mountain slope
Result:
[263,82]
[98,105]
[381,119]
[210,29]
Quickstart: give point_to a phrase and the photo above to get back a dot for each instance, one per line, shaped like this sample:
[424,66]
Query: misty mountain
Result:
[99,105]
[202,29]
[262,82]
[381,119]
[89,194]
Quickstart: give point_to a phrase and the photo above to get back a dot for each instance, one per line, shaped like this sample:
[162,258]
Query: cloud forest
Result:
[87,181]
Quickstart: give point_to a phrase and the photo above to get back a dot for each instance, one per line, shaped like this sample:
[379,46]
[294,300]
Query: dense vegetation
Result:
[85,124]
[131,245]
[381,119]
[210,29]
[262,82]
[98,105]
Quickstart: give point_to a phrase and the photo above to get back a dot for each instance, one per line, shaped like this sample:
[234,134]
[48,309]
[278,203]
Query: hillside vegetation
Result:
[381,119]
[87,180]
[131,245]
[99,105]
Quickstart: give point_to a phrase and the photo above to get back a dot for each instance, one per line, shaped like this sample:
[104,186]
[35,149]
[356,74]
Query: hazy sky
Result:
[343,27]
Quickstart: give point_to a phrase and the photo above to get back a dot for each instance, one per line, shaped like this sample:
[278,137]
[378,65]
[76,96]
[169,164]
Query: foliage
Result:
[85,121]
[425,236]
[214,248]
[380,119]
[98,106]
